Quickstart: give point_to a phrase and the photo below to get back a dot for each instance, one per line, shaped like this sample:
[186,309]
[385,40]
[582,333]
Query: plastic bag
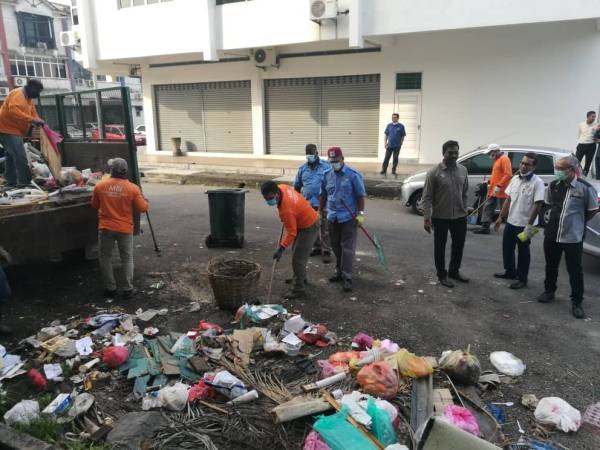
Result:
[114,357]
[328,369]
[342,359]
[37,379]
[174,398]
[507,363]
[225,383]
[362,341]
[461,366]
[381,424]
[339,434]
[201,390]
[411,365]
[314,442]
[378,379]
[555,411]
[462,418]
[23,412]
[387,346]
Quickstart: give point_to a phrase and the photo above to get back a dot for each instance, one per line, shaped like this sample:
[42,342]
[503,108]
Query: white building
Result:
[30,48]
[261,79]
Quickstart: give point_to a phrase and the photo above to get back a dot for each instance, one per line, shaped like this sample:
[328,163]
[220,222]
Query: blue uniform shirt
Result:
[395,132]
[345,186]
[309,178]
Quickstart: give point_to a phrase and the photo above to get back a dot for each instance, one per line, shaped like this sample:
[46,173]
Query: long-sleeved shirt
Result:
[115,200]
[17,113]
[445,192]
[295,213]
[501,176]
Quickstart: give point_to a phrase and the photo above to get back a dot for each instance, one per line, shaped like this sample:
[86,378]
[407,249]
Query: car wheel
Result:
[416,203]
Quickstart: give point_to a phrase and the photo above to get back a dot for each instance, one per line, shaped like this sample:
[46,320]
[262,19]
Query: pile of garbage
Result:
[270,379]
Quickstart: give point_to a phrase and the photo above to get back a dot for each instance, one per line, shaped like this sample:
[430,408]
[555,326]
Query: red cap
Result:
[335,152]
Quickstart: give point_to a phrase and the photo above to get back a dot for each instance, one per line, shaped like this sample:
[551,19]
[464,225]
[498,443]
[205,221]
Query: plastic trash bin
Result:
[227,210]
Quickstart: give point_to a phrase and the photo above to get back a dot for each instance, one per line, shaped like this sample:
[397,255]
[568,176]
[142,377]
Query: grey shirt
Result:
[445,192]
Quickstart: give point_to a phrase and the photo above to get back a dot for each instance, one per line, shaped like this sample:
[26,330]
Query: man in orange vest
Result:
[501,176]
[301,223]
[17,116]
[116,198]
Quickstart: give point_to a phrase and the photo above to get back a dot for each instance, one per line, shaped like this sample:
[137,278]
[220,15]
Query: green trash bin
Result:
[227,210]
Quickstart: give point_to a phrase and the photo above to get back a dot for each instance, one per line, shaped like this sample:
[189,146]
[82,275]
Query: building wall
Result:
[519,85]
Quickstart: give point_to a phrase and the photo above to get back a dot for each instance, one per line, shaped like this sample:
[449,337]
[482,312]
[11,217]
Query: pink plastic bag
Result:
[462,418]
[313,442]
[362,341]
[201,391]
[113,357]
[328,369]
[54,137]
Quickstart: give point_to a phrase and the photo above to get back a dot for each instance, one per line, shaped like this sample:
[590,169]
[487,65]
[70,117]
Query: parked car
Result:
[141,129]
[479,166]
[116,133]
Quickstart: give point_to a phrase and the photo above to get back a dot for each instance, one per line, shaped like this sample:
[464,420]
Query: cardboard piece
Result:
[441,399]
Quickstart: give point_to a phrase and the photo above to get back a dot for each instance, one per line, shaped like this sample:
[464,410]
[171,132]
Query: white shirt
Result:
[586,133]
[523,194]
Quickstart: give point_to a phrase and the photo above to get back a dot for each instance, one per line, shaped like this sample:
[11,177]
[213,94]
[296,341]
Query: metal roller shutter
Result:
[179,114]
[228,116]
[350,114]
[292,115]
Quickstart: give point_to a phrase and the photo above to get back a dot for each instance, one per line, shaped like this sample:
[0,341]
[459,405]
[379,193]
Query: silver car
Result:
[479,166]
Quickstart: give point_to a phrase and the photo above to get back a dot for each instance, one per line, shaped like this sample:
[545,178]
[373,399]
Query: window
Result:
[544,166]
[478,165]
[406,81]
[38,67]
[127,3]
[138,112]
[36,30]
[100,77]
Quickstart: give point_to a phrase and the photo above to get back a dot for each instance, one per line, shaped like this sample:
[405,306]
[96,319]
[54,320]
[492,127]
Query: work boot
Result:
[348,285]
[110,293]
[336,278]
[444,281]
[315,252]
[459,277]
[545,297]
[578,311]
[505,275]
[519,284]
[326,257]
[383,173]
[129,293]
[295,294]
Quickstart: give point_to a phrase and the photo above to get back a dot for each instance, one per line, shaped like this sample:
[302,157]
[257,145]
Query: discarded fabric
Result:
[507,363]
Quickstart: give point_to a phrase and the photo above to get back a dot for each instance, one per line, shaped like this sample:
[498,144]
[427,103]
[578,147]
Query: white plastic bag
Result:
[23,412]
[174,398]
[507,363]
[555,411]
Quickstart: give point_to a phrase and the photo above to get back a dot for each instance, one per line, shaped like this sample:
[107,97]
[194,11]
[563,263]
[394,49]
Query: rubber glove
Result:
[360,219]
[497,189]
[530,231]
[278,253]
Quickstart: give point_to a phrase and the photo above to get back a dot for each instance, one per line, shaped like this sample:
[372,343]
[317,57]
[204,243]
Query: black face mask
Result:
[32,93]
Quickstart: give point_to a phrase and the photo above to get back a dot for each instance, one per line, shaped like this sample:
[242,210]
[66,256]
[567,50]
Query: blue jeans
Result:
[509,241]
[5,292]
[16,167]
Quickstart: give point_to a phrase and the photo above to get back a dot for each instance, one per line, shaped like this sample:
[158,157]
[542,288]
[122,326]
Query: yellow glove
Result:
[360,219]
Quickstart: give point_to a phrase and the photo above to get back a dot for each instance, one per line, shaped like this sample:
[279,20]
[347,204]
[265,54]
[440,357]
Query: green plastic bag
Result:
[381,425]
[340,434]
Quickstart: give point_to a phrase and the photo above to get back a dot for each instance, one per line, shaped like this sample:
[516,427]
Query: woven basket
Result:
[233,281]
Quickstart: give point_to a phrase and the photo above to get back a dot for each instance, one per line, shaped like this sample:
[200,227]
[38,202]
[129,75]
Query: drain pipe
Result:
[4,50]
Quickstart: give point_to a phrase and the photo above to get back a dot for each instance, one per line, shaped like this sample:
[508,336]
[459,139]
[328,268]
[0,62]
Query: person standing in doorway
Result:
[521,210]
[116,198]
[394,137]
[343,200]
[301,224]
[17,116]
[586,145]
[573,202]
[308,181]
[501,176]
[445,209]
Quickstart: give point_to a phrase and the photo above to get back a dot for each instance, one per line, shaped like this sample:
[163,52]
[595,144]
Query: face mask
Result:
[337,166]
[560,175]
[311,158]
[272,201]
[526,174]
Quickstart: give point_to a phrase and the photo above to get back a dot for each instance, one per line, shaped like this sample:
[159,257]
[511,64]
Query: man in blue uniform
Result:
[308,181]
[394,137]
[343,198]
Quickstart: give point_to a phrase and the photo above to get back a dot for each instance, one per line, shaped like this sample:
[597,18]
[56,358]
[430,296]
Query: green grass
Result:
[44,429]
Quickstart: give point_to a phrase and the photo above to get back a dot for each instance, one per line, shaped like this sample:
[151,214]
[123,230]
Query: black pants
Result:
[388,154]
[588,151]
[509,241]
[598,163]
[458,233]
[573,252]
[343,243]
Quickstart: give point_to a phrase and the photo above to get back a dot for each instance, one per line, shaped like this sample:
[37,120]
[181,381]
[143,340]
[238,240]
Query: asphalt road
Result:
[406,304]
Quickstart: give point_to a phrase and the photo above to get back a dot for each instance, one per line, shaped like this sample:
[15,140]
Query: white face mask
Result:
[311,158]
[337,166]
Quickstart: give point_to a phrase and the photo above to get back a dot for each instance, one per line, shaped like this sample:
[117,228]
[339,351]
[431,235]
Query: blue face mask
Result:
[272,201]
[560,175]
[337,166]
[311,158]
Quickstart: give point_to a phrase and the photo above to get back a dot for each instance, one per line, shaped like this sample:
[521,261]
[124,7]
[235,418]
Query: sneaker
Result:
[348,285]
[505,275]
[545,297]
[336,278]
[444,281]
[459,277]
[578,312]
[519,284]
[127,294]
[110,293]
[326,257]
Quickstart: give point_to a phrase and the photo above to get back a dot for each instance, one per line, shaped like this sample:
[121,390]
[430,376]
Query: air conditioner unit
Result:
[3,91]
[89,83]
[323,9]
[69,38]
[265,57]
[20,81]
[42,46]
